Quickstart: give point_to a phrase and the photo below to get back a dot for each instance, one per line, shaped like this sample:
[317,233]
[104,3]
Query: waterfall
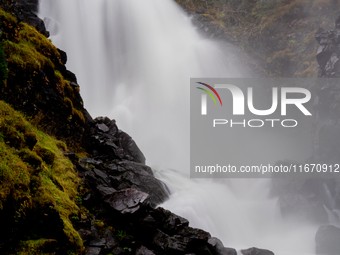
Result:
[133,60]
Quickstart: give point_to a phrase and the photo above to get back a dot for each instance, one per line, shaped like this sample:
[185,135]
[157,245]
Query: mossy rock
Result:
[12,137]
[45,179]
[40,246]
[30,139]
[47,155]
[31,158]
[62,146]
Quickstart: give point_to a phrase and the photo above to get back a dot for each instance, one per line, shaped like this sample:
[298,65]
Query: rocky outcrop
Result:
[25,10]
[327,240]
[256,251]
[38,82]
[104,139]
[154,231]
[125,193]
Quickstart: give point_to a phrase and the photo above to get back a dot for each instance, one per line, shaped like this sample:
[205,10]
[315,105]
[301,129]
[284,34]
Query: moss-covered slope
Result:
[38,82]
[39,187]
[38,190]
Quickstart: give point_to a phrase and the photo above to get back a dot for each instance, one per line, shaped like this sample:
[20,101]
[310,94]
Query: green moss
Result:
[60,82]
[46,154]
[78,115]
[61,145]
[25,56]
[31,36]
[35,247]
[32,179]
[11,136]
[13,173]
[9,25]
[30,158]
[74,113]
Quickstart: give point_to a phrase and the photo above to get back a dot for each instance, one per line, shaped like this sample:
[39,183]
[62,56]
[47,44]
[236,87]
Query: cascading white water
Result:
[133,60]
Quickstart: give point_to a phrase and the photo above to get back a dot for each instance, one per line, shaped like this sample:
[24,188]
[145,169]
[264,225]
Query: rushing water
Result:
[133,60]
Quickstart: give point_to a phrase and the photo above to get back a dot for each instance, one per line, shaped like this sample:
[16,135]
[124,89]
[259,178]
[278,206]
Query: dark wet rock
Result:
[97,243]
[25,11]
[126,201]
[327,240]
[91,161]
[322,55]
[166,243]
[93,251]
[138,176]
[328,52]
[107,140]
[103,176]
[256,251]
[63,56]
[304,198]
[123,175]
[105,190]
[149,222]
[216,247]
[111,240]
[144,251]
[118,251]
[102,127]
[170,222]
[196,234]
[85,234]
[327,127]
[129,145]
[322,36]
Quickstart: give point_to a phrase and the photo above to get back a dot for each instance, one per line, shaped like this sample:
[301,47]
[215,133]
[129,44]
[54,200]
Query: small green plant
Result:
[121,234]
[75,218]
[79,200]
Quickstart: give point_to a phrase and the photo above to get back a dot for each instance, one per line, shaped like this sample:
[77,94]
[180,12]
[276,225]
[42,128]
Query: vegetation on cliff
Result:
[39,187]
[38,83]
[278,34]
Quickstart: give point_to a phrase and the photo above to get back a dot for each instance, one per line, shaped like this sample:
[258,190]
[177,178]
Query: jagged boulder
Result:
[25,10]
[111,143]
[126,200]
[112,175]
[256,251]
[327,240]
[217,247]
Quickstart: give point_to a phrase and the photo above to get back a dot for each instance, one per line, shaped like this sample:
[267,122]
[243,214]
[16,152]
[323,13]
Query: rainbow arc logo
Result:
[209,93]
